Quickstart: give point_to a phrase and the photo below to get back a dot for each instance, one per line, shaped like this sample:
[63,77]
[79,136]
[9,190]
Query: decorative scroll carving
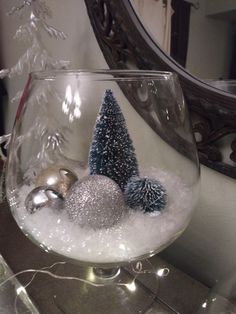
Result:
[126,44]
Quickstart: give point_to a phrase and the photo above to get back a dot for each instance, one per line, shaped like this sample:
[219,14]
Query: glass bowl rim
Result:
[103,74]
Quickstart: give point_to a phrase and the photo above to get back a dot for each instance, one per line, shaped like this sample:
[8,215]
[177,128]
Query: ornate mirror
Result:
[127,43]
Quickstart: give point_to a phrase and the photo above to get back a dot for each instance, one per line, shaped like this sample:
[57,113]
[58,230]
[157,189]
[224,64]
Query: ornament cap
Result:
[43,196]
[57,176]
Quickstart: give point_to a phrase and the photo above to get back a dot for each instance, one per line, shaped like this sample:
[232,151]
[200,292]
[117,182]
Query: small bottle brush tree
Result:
[145,194]
[112,153]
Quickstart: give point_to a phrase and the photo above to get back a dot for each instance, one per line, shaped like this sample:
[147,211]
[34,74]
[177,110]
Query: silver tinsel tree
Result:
[36,58]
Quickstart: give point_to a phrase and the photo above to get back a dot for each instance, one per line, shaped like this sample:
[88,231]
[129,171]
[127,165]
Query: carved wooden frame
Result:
[126,44]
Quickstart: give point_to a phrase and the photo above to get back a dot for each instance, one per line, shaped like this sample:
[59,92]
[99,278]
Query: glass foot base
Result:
[117,290]
[132,290]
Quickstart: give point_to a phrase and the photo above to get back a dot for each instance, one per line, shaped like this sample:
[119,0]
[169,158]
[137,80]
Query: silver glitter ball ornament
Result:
[95,201]
[58,177]
[43,196]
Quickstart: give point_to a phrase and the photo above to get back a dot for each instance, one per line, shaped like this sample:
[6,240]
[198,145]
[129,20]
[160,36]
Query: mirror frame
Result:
[126,44]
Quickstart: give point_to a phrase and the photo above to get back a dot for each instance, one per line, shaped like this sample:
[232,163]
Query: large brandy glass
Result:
[102,166]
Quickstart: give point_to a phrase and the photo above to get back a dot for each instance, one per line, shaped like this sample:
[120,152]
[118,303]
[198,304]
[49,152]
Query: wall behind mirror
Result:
[200,35]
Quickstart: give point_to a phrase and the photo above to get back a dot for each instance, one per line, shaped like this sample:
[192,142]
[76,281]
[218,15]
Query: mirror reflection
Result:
[199,34]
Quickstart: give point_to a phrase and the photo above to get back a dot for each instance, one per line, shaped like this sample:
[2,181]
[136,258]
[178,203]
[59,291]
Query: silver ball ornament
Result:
[58,177]
[43,196]
[96,202]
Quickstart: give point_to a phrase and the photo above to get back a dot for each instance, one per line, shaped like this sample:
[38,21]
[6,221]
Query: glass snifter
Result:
[102,167]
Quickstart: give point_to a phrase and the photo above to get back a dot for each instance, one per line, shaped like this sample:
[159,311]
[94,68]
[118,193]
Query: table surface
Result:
[176,293]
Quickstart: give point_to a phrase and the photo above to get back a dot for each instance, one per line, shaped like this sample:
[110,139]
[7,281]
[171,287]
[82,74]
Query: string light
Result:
[90,278]
[163,272]
[19,290]
[204,305]
[131,286]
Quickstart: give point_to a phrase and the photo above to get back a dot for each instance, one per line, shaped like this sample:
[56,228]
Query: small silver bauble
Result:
[43,196]
[58,177]
[95,201]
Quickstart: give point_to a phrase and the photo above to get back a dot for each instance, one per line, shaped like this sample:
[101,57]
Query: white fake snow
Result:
[136,235]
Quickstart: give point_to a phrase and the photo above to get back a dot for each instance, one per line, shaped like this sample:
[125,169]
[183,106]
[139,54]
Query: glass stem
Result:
[106,273]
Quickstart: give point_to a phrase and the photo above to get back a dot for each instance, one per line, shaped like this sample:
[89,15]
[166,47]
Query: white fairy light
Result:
[204,305]
[131,286]
[163,272]
[20,289]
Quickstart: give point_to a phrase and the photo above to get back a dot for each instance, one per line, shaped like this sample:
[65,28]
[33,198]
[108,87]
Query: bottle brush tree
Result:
[112,153]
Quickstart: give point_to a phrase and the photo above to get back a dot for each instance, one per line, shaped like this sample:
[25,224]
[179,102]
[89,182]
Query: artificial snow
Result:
[136,235]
